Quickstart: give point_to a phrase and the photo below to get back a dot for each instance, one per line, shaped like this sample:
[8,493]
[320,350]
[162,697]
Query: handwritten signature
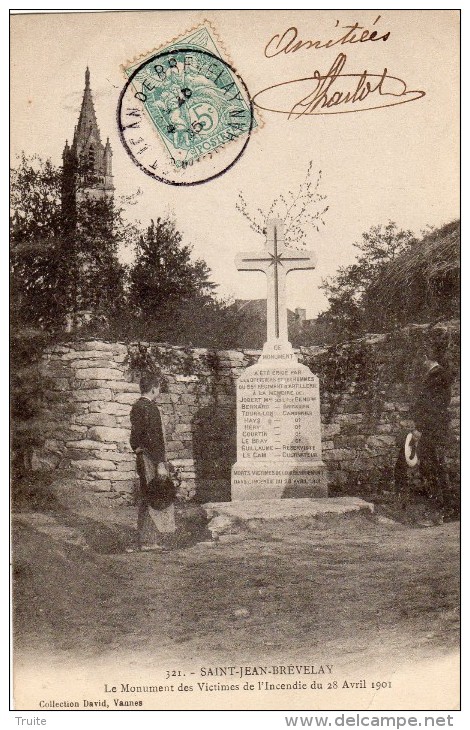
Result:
[288,43]
[324,93]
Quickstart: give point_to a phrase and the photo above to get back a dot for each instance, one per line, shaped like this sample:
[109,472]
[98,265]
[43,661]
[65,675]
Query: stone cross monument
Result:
[278,403]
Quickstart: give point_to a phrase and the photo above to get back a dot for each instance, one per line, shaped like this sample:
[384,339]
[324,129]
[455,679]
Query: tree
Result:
[58,271]
[55,272]
[350,311]
[36,255]
[300,211]
[171,295]
[422,284]
[35,200]
[95,276]
[164,276]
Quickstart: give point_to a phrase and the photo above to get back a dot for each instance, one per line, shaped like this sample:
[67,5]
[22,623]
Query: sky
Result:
[397,163]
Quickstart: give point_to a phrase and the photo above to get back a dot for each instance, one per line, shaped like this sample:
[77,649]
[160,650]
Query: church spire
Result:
[86,179]
[87,163]
[87,131]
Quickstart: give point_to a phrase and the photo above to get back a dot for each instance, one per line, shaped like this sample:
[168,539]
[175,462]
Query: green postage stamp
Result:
[197,105]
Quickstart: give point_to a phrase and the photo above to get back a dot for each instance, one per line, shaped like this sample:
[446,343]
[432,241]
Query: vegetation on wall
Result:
[396,279]
[365,369]
[422,284]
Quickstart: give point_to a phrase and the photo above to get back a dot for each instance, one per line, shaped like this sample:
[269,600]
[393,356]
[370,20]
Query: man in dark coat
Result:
[431,419]
[146,422]
[148,442]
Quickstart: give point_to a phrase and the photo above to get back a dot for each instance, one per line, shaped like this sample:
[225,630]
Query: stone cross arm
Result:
[292,261]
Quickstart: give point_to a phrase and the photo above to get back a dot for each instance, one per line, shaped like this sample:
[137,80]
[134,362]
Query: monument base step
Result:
[226,516]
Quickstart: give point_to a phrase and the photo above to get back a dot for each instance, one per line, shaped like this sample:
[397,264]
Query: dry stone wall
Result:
[368,390]
[366,394]
[92,390]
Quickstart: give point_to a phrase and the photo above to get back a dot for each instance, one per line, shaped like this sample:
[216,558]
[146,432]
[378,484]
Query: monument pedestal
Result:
[278,429]
[278,400]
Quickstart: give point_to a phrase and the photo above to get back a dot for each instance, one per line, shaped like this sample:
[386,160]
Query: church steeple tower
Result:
[87,163]
[87,131]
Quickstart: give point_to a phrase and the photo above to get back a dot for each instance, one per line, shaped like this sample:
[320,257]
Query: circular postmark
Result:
[185,116]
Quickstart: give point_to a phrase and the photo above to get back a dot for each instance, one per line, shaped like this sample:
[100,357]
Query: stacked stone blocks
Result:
[93,388]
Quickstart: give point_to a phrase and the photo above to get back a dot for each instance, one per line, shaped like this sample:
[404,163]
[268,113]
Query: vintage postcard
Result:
[235,393]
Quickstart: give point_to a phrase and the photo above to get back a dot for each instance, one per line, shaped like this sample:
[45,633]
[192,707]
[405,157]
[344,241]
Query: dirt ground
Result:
[358,588]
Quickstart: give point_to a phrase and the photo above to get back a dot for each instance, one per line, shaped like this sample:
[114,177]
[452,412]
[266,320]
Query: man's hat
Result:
[411,453]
